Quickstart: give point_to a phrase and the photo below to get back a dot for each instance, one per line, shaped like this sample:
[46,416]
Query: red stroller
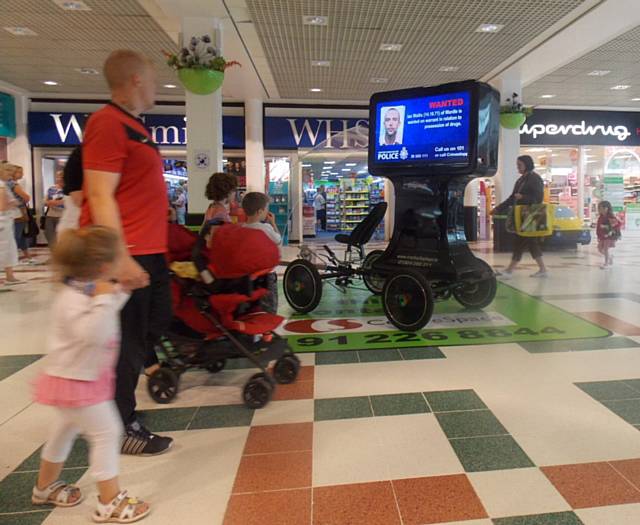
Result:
[217,314]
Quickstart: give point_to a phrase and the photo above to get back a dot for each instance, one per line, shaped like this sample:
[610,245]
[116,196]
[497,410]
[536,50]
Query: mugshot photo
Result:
[391,125]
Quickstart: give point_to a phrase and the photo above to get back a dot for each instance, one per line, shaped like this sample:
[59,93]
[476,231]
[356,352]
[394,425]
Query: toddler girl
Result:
[221,190]
[79,371]
[608,231]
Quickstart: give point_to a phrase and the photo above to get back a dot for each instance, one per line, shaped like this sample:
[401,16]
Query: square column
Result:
[254,146]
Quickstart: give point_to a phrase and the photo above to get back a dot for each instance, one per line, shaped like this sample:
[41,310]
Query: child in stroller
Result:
[216,294]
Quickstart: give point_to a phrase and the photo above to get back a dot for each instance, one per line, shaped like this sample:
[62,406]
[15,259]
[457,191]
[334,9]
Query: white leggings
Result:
[101,426]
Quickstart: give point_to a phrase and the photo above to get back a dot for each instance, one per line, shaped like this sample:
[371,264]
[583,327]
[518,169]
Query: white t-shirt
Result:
[319,201]
[268,229]
[70,216]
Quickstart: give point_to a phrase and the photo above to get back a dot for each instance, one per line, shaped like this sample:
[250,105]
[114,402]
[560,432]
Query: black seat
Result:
[363,232]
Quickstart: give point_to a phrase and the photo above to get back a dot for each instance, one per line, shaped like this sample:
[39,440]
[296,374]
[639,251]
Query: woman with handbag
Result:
[22,217]
[528,190]
[54,203]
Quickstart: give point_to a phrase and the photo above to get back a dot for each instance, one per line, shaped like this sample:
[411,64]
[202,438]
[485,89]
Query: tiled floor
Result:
[517,433]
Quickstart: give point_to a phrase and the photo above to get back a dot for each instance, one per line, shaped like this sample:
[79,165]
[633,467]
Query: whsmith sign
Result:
[65,129]
[544,127]
[548,127]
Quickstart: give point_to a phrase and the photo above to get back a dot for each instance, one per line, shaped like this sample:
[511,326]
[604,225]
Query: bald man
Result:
[125,190]
[391,125]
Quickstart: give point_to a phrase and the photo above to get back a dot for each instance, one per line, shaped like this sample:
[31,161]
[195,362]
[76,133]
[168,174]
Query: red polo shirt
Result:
[117,142]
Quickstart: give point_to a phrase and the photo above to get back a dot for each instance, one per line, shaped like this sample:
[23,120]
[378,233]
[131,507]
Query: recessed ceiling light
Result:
[306,165]
[379,80]
[72,5]
[635,99]
[50,83]
[87,71]
[489,28]
[21,31]
[170,86]
[547,96]
[448,68]
[334,173]
[390,47]
[315,20]
[345,169]
[599,72]
[321,63]
[351,164]
[620,87]
[329,161]
[315,90]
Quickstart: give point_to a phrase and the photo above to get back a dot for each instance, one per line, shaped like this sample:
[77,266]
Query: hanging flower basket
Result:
[201,81]
[512,120]
[200,66]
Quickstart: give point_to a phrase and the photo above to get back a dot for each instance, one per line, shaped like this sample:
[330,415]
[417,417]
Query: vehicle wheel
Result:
[478,294]
[216,366]
[163,385]
[302,286]
[258,391]
[373,281]
[286,369]
[407,299]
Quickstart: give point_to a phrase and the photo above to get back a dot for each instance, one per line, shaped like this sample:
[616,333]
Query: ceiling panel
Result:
[433,33]
[572,84]
[67,40]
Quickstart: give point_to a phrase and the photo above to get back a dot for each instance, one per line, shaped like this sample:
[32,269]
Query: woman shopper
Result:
[8,248]
[528,189]
[21,213]
[55,207]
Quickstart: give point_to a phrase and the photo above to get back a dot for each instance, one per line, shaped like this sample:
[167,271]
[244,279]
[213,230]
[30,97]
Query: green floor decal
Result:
[356,321]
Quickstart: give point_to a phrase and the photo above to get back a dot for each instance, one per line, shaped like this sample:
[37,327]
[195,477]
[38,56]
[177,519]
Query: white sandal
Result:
[61,499]
[109,513]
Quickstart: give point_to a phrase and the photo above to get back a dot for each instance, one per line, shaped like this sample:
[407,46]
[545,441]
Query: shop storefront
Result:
[586,157]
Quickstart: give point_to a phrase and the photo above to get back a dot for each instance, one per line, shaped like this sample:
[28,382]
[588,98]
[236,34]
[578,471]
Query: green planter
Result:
[201,81]
[512,120]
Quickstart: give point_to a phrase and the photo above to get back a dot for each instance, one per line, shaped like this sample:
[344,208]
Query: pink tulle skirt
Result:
[70,393]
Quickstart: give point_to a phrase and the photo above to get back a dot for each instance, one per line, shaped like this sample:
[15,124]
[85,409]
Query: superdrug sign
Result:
[548,127]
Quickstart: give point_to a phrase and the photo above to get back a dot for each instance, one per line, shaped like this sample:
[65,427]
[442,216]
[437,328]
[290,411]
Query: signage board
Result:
[7,115]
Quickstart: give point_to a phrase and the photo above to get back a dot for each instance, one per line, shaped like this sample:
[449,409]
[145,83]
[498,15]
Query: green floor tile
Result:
[425,352]
[573,345]
[15,489]
[18,360]
[221,416]
[633,383]
[342,408]
[555,518]
[373,356]
[25,518]
[167,419]
[627,409]
[7,371]
[490,453]
[450,400]
[470,424]
[336,358]
[397,404]
[609,390]
[78,457]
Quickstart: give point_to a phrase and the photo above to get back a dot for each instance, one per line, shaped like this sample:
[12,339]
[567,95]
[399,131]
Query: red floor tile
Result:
[289,470]
[630,469]
[285,507]
[591,485]
[297,390]
[306,373]
[437,499]
[279,438]
[358,504]
[611,323]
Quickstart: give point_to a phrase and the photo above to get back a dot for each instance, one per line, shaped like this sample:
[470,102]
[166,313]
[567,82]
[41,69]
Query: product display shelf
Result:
[355,207]
[279,206]
[333,212]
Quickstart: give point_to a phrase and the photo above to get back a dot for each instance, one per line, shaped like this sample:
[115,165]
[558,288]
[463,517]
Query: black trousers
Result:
[145,318]
[321,215]
[520,244]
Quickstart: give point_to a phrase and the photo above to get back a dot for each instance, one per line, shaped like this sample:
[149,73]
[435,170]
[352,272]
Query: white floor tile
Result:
[614,515]
[279,412]
[517,492]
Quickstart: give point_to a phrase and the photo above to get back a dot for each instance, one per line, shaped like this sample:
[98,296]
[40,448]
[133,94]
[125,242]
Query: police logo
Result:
[404,154]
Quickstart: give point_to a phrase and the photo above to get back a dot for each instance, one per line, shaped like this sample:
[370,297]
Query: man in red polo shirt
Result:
[125,190]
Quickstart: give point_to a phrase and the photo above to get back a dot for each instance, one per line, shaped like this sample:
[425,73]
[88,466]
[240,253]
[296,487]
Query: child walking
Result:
[608,232]
[8,246]
[256,208]
[79,372]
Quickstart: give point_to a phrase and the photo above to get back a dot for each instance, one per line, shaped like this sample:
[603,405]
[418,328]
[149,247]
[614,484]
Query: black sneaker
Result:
[138,441]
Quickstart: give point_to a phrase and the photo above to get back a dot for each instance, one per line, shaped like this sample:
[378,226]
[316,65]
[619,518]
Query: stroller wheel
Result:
[286,369]
[258,391]
[216,366]
[163,385]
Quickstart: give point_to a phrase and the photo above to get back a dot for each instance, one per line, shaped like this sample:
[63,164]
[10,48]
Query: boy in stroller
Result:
[216,293]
